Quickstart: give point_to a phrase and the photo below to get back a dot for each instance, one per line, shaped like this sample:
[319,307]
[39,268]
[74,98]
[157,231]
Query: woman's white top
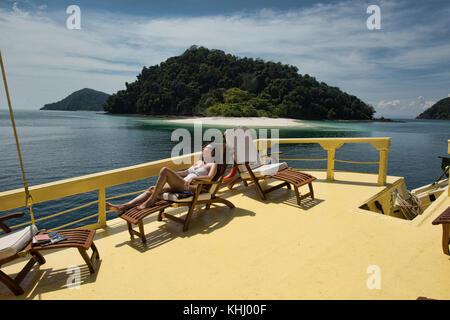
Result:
[194,173]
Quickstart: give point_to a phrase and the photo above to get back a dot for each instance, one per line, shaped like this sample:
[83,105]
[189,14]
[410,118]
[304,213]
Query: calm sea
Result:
[58,145]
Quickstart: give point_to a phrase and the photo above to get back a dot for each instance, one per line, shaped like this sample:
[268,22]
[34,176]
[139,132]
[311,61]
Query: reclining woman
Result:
[172,181]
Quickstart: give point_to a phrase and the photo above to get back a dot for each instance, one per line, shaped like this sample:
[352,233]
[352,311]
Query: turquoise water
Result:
[58,145]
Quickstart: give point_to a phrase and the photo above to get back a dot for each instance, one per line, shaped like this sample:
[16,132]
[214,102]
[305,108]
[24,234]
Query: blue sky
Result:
[401,69]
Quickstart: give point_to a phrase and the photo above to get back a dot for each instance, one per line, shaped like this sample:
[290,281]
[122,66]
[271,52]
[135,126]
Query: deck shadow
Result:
[283,195]
[202,222]
[41,280]
[305,204]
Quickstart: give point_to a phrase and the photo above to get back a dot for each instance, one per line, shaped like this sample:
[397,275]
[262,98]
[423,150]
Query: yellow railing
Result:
[331,144]
[13,199]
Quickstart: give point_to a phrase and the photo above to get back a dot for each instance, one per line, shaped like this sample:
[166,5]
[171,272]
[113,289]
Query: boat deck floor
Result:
[271,249]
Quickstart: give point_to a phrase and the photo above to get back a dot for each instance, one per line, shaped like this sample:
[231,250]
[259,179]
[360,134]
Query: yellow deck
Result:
[270,249]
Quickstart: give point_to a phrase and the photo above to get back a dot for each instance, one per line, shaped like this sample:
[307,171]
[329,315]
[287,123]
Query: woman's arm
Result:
[183,173]
[212,172]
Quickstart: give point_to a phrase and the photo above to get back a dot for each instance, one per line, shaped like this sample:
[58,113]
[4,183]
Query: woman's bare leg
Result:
[121,208]
[168,180]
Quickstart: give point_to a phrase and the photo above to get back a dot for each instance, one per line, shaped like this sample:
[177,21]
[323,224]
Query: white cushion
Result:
[15,241]
[175,197]
[266,170]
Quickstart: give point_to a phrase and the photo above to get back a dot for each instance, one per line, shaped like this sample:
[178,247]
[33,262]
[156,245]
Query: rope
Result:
[410,207]
[28,198]
[359,162]
[289,159]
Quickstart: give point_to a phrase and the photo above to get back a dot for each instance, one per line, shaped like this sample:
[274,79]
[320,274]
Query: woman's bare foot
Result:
[119,209]
[145,204]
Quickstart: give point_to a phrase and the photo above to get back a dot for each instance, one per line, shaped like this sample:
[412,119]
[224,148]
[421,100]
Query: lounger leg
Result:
[87,259]
[141,231]
[232,183]
[188,217]
[10,283]
[130,230]
[160,215]
[445,238]
[224,201]
[281,185]
[95,255]
[311,190]
[255,181]
[297,195]
[38,257]
[23,273]
[260,190]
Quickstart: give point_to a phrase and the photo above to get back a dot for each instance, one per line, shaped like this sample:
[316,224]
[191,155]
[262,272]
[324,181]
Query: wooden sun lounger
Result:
[75,238]
[296,179]
[14,283]
[205,194]
[82,239]
[288,176]
[212,198]
[259,170]
[444,219]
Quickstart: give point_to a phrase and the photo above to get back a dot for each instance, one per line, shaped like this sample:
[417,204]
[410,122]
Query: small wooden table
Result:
[296,179]
[81,239]
[444,219]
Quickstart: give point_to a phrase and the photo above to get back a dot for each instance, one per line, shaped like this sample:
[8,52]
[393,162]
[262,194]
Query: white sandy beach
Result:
[257,122]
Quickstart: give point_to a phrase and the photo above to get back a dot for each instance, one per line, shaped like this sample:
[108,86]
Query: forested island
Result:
[438,111]
[82,100]
[203,82]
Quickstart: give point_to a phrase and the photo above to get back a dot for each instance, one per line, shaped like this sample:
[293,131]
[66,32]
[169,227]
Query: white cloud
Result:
[45,61]
[428,104]
[411,107]
[384,105]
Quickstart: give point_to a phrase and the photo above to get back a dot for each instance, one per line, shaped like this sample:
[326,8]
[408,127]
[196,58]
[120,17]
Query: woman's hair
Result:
[213,152]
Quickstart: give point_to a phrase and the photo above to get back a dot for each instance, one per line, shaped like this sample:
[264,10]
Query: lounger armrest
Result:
[3,226]
[200,181]
[11,216]
[274,153]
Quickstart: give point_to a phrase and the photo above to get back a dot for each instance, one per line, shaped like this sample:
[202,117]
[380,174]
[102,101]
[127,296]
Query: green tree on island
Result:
[204,82]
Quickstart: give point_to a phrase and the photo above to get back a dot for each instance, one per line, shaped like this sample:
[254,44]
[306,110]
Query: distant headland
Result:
[82,100]
[439,111]
[210,83]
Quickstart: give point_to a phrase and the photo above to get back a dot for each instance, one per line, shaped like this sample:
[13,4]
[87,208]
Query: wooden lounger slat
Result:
[294,177]
[134,215]
[444,217]
[76,238]
[444,220]
[82,239]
